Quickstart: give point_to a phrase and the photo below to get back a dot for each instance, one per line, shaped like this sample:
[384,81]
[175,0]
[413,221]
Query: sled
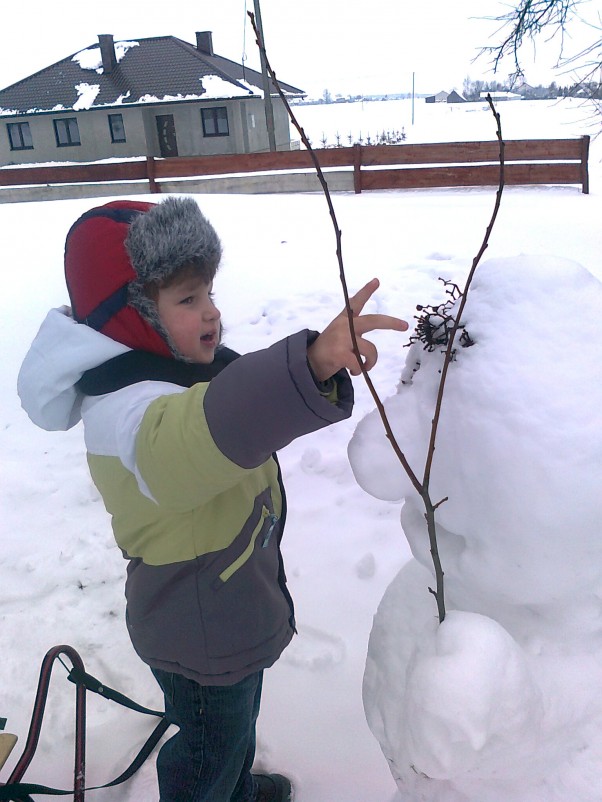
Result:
[17,791]
[7,742]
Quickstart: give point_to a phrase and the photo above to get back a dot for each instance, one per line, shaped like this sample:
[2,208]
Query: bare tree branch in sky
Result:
[529,19]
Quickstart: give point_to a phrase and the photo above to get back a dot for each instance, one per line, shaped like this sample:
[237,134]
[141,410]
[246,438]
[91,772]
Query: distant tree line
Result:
[529,20]
[472,90]
[328,97]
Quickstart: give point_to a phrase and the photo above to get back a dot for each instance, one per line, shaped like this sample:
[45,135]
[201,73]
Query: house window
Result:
[116,127]
[66,132]
[215,121]
[19,136]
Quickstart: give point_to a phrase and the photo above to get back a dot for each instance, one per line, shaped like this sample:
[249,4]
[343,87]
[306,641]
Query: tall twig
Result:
[421,487]
[425,494]
[464,295]
[339,253]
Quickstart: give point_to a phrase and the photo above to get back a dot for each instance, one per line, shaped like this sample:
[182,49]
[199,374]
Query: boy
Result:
[180,434]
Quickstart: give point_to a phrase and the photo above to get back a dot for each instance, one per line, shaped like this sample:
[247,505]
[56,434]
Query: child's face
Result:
[191,318]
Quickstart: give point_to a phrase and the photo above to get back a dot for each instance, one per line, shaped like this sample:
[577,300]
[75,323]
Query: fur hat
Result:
[113,251]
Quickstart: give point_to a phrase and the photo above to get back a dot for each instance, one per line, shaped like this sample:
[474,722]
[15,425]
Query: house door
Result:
[166,129]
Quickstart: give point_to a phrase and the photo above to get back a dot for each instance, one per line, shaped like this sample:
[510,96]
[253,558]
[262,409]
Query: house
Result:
[159,96]
[455,97]
[523,88]
[499,96]
[440,97]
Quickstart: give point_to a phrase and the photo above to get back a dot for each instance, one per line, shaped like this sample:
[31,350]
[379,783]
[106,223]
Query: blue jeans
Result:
[210,758]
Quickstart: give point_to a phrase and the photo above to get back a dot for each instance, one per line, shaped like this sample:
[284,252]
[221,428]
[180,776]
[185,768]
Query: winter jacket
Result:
[188,476]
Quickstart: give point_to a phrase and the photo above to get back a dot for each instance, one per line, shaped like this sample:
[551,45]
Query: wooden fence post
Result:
[584,158]
[150,172]
[357,168]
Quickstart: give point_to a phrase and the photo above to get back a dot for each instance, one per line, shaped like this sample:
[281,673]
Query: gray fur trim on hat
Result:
[172,235]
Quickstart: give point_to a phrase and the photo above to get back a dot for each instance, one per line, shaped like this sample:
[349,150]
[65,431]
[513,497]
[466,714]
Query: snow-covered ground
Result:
[444,122]
[61,576]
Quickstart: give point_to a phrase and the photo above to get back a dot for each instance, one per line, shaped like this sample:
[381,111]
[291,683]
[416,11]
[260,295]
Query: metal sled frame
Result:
[79,771]
[83,682]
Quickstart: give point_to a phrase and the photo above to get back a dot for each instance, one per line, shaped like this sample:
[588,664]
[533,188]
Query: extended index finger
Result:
[361,297]
[372,322]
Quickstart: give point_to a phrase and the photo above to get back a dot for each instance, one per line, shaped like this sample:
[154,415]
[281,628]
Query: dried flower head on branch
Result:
[421,486]
[436,323]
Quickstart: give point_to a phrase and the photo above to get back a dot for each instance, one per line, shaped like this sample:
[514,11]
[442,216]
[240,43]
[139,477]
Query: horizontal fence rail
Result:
[446,164]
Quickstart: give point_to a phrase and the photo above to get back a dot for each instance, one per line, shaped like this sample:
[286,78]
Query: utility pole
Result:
[267,99]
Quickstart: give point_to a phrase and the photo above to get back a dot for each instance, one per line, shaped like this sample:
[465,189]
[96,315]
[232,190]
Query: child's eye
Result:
[188,300]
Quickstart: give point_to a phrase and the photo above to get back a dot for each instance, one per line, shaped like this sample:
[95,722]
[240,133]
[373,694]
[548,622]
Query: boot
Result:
[273,788]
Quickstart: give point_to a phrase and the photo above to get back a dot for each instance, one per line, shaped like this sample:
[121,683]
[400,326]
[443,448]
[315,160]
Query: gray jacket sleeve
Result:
[266,399]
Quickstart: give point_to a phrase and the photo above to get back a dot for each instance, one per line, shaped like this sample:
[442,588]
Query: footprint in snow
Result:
[366,567]
[314,649]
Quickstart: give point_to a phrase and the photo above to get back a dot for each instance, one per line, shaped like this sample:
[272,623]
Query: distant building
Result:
[499,96]
[455,97]
[159,96]
[440,97]
[524,89]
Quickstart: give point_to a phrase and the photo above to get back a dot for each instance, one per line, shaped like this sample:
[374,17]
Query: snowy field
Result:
[61,574]
[444,122]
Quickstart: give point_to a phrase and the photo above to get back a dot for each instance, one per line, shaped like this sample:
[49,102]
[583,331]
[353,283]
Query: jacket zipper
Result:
[266,515]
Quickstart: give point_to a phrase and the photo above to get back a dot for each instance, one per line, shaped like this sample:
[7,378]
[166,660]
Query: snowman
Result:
[502,701]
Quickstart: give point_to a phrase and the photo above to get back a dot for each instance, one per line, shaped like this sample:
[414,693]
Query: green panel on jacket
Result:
[202,499]
[160,536]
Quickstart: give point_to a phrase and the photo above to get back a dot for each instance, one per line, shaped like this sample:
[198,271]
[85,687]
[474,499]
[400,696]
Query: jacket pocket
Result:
[263,530]
[243,608]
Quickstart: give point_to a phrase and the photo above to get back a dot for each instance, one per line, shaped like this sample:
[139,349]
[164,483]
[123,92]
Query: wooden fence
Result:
[358,168]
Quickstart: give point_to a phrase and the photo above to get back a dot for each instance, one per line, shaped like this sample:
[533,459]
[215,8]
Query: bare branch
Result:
[526,21]
[421,488]
[339,252]
[450,344]
[429,507]
[529,19]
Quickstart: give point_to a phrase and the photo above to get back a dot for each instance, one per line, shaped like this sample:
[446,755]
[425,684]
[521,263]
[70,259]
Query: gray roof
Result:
[150,70]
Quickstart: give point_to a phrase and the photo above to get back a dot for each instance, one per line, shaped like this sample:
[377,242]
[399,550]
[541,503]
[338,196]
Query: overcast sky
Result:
[346,46]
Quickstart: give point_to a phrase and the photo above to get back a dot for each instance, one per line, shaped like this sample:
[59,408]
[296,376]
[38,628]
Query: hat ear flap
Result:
[98,272]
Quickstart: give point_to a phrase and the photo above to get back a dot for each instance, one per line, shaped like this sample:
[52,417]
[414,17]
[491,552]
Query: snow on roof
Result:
[86,95]
[160,69]
[91,58]
[167,98]
[217,87]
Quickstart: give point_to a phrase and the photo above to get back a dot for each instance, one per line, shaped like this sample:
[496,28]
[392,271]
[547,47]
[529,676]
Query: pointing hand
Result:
[333,349]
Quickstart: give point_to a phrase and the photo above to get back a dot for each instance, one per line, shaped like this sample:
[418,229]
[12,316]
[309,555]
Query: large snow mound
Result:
[518,459]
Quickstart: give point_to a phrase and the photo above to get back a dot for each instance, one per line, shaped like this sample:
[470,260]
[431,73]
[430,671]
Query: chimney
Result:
[204,42]
[107,52]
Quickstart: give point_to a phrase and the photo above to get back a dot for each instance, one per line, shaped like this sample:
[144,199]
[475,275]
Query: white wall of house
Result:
[256,126]
[94,136]
[247,132]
